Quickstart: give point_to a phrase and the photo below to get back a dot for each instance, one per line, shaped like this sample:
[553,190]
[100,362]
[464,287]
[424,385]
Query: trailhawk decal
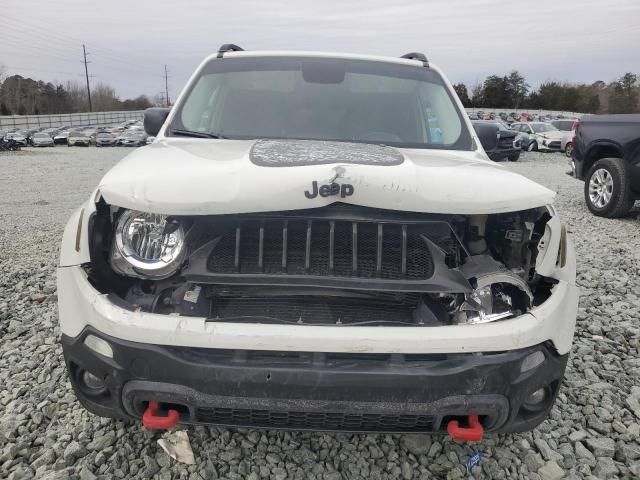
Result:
[345,190]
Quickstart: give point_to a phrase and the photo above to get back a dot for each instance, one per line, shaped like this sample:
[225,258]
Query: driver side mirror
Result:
[154,118]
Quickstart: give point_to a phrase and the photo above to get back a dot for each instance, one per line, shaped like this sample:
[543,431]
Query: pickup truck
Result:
[317,241]
[607,158]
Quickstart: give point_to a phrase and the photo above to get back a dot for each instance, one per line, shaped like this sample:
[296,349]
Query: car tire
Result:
[514,157]
[568,150]
[607,189]
[533,146]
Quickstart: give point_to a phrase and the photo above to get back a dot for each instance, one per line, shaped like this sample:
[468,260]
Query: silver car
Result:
[42,140]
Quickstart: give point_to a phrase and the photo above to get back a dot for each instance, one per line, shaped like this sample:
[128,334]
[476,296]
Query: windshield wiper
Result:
[191,133]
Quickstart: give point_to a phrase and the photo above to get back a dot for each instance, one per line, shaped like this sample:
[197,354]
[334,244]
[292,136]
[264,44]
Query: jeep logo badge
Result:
[345,190]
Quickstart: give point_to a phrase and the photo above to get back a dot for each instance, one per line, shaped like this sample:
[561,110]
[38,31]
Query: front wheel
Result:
[533,146]
[568,150]
[607,190]
[514,157]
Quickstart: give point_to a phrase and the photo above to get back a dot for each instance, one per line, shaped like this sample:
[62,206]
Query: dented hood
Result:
[181,176]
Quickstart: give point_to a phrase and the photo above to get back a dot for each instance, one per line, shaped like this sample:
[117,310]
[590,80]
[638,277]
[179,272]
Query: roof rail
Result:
[229,47]
[417,56]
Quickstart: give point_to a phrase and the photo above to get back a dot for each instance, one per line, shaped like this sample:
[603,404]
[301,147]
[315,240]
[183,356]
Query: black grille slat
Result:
[322,247]
[354,248]
[236,259]
[316,420]
[332,232]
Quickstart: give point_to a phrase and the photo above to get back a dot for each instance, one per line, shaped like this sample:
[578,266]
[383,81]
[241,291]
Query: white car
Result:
[17,137]
[569,127]
[543,136]
[317,241]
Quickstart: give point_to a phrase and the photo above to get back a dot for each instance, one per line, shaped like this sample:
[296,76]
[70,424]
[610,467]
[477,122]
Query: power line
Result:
[29,69]
[86,71]
[65,41]
[166,84]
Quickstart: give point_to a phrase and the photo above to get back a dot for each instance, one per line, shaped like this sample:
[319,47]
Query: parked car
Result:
[78,138]
[567,126]
[17,137]
[42,140]
[135,139]
[607,158]
[316,258]
[105,140]
[542,136]
[499,141]
[61,138]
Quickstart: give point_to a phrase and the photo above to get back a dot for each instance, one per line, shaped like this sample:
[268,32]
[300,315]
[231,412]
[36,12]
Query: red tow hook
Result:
[152,421]
[473,433]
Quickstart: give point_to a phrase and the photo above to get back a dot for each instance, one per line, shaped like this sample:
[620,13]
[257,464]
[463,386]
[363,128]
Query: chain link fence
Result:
[27,122]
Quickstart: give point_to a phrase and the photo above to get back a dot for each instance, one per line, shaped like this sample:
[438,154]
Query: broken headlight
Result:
[147,245]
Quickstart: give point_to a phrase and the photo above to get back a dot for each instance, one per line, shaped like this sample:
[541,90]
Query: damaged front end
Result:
[335,265]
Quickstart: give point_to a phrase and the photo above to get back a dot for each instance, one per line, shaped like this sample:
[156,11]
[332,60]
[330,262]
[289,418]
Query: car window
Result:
[324,99]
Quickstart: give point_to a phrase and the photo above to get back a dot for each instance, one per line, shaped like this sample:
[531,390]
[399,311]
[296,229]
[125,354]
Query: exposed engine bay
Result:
[336,265]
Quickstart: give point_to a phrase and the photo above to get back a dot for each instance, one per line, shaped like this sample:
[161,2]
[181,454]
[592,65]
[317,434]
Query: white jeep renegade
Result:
[317,241]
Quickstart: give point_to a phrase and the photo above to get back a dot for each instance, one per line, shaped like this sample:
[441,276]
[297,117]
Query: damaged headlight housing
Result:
[147,245]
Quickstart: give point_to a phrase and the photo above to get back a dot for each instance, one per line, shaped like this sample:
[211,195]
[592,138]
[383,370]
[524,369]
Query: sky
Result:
[130,42]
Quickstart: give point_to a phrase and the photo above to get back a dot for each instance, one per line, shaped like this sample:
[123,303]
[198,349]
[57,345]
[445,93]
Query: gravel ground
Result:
[593,431]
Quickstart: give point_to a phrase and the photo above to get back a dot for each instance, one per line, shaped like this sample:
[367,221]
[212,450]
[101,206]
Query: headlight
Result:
[147,245]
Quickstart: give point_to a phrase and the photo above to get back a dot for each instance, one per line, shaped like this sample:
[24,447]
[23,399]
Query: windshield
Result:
[323,99]
[41,135]
[543,127]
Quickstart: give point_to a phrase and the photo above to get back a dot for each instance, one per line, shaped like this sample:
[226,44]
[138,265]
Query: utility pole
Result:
[86,72]
[166,84]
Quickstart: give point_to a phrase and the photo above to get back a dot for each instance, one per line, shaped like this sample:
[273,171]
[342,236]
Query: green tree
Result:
[463,94]
[517,88]
[623,94]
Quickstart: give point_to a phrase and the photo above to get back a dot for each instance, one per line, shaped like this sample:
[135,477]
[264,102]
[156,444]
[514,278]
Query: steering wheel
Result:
[379,137]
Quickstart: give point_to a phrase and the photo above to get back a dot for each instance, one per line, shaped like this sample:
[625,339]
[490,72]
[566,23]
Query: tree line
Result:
[26,96]
[512,91]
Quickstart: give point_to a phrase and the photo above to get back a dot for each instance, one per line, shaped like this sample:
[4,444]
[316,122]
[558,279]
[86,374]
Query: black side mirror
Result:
[154,118]
[488,134]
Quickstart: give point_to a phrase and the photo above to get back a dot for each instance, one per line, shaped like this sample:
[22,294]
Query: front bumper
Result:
[316,391]
[500,154]
[550,145]
[81,305]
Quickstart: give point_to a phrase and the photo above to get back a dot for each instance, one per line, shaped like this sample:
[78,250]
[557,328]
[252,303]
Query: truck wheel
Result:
[533,146]
[514,157]
[607,190]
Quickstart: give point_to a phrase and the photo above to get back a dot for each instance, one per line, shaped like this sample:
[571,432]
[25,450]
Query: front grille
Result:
[506,142]
[335,248]
[313,310]
[351,422]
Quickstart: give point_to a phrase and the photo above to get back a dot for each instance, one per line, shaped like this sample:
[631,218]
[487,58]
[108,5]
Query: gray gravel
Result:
[593,432]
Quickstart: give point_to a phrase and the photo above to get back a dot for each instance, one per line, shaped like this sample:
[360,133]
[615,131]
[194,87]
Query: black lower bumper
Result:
[502,153]
[316,391]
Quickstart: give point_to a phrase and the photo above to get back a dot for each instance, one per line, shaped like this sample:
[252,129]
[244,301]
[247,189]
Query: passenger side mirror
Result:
[154,118]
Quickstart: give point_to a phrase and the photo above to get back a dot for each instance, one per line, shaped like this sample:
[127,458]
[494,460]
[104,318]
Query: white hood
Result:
[181,176]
